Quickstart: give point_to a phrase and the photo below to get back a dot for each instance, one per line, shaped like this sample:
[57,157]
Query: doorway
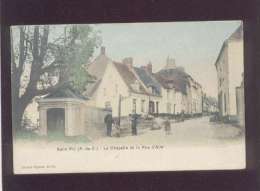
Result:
[56,122]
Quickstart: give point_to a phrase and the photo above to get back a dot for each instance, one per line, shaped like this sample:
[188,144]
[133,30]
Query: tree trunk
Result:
[18,109]
[18,112]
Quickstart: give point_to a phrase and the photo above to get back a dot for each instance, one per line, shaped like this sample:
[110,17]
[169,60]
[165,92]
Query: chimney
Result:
[128,61]
[170,63]
[103,50]
[149,67]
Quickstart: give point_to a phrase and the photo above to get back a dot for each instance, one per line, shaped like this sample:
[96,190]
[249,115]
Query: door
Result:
[56,122]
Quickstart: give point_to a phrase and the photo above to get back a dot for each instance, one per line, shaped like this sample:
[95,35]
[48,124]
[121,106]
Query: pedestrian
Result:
[182,115]
[167,126]
[117,128]
[134,123]
[108,121]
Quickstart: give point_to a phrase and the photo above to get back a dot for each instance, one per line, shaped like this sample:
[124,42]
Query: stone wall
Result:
[94,122]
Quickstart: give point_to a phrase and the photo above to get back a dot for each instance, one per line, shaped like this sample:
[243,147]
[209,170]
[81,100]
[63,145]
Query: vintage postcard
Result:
[128,97]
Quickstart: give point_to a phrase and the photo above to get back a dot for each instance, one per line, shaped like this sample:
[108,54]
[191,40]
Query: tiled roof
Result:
[128,77]
[173,78]
[91,89]
[65,92]
[98,66]
[148,79]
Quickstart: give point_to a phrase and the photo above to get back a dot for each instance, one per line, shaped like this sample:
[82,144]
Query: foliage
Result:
[45,58]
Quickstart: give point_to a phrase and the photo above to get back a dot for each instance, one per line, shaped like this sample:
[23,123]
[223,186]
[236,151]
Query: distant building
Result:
[153,87]
[181,93]
[229,66]
[209,104]
[128,89]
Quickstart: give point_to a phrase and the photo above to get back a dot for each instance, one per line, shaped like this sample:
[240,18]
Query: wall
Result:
[240,105]
[236,69]
[94,126]
[111,86]
[230,69]
[223,81]
[31,112]
[176,100]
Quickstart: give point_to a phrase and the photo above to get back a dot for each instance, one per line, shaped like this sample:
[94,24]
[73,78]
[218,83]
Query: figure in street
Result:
[182,115]
[134,123]
[108,121]
[116,127]
[167,126]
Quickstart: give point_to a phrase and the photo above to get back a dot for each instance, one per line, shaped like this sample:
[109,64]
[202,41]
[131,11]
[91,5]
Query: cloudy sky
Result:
[193,45]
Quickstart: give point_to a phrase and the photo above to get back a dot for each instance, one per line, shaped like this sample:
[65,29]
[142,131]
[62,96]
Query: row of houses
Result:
[230,74]
[128,89]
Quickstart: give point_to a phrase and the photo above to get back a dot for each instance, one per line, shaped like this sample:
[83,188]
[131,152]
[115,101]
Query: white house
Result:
[195,91]
[120,90]
[230,66]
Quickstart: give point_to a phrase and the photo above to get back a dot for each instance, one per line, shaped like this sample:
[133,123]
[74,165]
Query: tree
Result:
[43,61]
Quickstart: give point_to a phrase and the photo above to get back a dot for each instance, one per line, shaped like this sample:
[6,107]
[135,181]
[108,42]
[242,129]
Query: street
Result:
[194,144]
[190,132]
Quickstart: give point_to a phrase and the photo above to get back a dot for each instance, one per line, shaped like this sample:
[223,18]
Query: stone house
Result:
[230,66]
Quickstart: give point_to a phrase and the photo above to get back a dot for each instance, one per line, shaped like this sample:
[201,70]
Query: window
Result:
[169,107]
[157,107]
[107,104]
[134,105]
[116,89]
[142,105]
[168,94]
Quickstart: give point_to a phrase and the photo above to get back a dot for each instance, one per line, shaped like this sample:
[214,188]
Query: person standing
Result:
[108,121]
[167,126]
[182,115]
[134,124]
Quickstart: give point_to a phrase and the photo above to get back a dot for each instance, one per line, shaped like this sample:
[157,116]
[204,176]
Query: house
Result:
[121,90]
[229,66]
[209,104]
[181,93]
[96,69]
[153,87]
[127,89]
[195,96]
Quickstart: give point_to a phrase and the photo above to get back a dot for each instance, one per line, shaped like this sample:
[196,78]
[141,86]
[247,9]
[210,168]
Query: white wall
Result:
[111,86]
[222,74]
[236,69]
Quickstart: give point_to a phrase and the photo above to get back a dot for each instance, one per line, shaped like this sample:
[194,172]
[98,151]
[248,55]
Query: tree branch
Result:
[52,66]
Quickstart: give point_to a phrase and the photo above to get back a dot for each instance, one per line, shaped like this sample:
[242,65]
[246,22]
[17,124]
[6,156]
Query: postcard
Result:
[128,97]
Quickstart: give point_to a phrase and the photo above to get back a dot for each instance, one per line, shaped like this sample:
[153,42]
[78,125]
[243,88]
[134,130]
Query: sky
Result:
[194,45]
